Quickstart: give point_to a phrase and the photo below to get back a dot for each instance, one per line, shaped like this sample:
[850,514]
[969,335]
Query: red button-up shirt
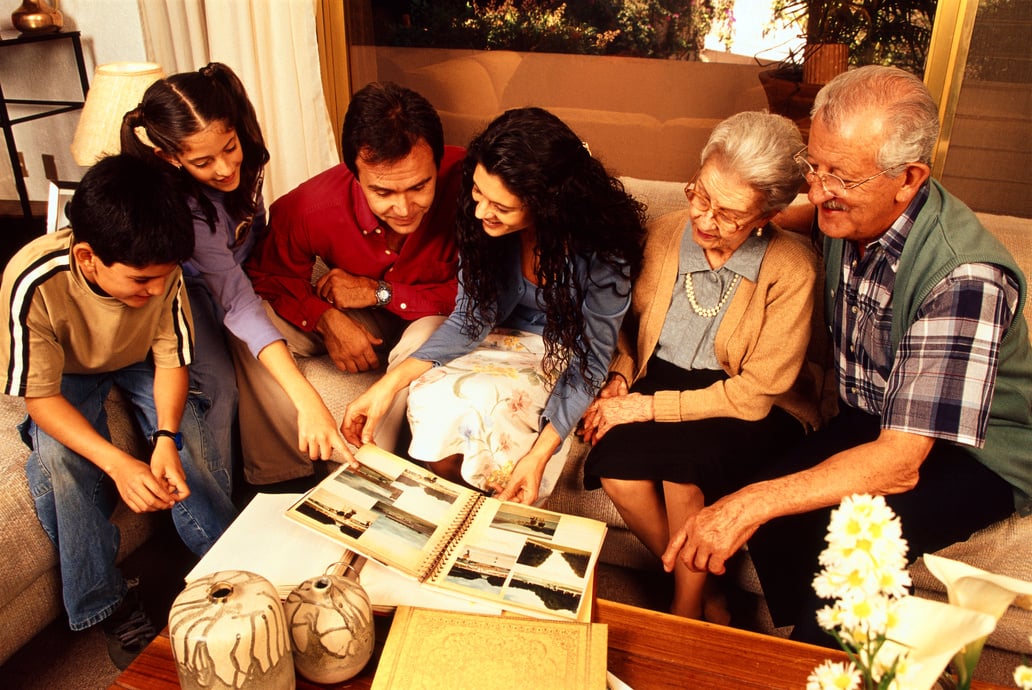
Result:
[328,217]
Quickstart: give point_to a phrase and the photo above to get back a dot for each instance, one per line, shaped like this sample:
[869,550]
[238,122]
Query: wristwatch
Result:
[383,293]
[176,437]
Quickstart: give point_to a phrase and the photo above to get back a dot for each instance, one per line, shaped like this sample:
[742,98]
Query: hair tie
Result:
[210,70]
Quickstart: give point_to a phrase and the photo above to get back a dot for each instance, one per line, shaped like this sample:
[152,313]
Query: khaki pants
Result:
[268,418]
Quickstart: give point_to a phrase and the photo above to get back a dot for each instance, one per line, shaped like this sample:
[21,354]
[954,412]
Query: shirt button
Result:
[377,231]
[304,322]
[387,251]
[854,310]
[851,349]
[403,305]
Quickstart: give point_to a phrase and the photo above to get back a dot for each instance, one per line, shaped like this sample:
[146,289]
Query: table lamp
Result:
[117,88]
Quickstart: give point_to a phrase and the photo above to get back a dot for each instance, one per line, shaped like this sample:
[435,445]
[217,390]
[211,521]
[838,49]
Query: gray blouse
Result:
[687,339]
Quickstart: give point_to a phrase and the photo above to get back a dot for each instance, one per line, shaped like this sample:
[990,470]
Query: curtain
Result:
[271,45]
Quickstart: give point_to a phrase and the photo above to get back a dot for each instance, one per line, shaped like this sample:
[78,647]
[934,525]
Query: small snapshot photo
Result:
[402,532]
[528,590]
[482,570]
[423,497]
[523,520]
[331,510]
[556,563]
[369,482]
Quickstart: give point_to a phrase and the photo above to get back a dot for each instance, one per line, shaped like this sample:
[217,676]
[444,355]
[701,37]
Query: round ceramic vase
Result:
[228,632]
[330,621]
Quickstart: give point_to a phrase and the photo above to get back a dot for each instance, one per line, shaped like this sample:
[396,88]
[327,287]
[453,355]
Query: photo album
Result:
[521,558]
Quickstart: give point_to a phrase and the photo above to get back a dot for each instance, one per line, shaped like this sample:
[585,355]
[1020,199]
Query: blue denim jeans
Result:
[74,498]
[212,372]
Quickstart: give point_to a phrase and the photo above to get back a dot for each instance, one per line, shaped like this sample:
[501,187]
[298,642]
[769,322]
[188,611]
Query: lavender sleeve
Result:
[219,264]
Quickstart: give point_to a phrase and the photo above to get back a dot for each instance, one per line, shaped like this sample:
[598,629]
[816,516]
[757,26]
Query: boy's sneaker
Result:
[128,630]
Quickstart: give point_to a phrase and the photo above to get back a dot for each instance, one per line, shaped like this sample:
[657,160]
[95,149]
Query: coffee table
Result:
[646,650]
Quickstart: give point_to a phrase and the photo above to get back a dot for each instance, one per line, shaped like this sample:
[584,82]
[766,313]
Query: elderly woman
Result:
[549,243]
[710,377]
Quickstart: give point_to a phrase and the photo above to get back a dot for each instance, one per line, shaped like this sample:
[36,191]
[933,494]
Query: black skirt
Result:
[719,455]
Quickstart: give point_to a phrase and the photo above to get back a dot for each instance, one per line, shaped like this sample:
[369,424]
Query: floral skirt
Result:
[485,406]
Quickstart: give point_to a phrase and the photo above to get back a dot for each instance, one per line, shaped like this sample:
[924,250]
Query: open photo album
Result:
[521,558]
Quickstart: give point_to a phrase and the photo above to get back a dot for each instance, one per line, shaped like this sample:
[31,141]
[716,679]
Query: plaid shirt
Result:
[939,383]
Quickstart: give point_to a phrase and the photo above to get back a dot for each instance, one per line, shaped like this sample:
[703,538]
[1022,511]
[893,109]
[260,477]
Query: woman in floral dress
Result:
[548,243]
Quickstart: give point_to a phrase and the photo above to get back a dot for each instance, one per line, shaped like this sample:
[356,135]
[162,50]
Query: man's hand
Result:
[346,291]
[710,537]
[348,343]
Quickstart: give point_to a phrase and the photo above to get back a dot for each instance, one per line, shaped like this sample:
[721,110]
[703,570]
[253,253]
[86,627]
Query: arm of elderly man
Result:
[889,464]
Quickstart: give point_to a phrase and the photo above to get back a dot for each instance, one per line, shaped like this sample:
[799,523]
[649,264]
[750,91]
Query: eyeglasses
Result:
[727,224]
[833,184]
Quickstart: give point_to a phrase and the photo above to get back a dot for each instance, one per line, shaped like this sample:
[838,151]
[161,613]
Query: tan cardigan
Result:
[762,342]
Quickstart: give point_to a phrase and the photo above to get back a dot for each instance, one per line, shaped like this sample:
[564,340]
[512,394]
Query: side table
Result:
[37,108]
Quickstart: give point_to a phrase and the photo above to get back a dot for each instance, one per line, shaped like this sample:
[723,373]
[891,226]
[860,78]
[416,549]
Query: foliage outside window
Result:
[673,29]
[877,32]
[893,32]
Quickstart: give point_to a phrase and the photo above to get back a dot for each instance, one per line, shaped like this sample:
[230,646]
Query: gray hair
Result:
[899,98]
[758,147]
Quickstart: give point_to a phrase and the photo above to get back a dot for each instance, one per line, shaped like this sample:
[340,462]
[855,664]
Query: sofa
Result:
[651,119]
[29,578]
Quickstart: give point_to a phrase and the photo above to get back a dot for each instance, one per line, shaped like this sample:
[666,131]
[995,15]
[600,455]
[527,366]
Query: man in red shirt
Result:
[383,223]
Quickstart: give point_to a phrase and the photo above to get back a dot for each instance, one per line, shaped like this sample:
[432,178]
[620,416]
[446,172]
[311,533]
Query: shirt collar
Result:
[893,239]
[367,220]
[745,261]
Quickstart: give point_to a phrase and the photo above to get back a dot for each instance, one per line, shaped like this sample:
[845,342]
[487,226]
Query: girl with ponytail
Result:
[203,124]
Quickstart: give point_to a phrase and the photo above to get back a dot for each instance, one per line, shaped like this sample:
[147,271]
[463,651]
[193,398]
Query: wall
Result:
[111,32]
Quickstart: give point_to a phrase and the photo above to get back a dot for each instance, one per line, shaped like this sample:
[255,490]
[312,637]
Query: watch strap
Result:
[176,437]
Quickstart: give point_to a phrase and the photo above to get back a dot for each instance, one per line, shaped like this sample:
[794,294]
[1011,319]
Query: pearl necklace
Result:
[689,291]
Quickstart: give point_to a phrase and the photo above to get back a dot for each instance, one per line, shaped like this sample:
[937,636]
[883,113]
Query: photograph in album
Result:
[453,538]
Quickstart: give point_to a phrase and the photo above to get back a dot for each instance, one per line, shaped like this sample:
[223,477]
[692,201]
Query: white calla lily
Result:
[929,633]
[977,590]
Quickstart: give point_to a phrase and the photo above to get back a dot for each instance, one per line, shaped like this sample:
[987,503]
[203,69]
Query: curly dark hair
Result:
[184,104]
[576,207]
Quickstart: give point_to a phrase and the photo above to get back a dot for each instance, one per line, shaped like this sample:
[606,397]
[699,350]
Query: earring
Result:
[759,231]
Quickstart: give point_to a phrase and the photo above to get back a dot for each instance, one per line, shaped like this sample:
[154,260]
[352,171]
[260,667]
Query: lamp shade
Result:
[117,88]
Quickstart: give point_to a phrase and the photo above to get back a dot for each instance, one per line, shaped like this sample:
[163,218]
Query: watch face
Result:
[383,294]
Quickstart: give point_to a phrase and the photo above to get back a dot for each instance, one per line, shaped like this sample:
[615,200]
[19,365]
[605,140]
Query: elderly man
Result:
[932,357]
[383,222]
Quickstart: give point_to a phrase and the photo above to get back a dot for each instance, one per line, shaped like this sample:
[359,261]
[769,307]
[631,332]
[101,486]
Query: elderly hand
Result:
[711,536]
[605,413]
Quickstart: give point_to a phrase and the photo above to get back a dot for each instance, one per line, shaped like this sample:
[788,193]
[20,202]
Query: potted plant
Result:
[840,33]
[884,32]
